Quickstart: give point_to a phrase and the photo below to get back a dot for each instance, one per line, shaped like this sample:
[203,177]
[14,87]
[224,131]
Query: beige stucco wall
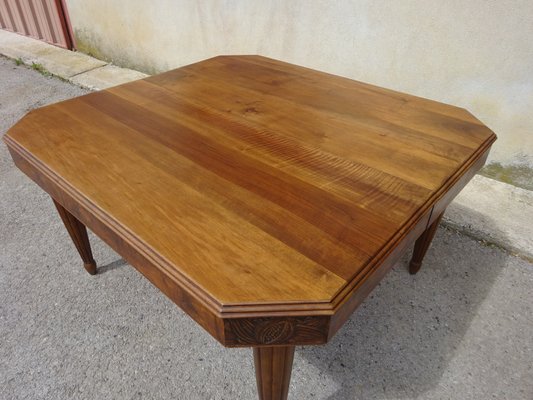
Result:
[477,54]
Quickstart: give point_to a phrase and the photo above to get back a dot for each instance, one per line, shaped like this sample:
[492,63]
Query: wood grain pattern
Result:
[274,331]
[264,198]
[273,367]
[422,245]
[78,234]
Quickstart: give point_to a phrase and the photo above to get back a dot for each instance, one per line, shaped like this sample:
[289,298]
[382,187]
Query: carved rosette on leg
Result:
[276,331]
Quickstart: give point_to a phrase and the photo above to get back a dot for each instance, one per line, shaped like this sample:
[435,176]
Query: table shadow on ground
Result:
[111,266]
[398,343]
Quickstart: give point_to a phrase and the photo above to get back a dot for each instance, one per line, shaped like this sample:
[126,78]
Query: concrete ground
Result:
[459,329]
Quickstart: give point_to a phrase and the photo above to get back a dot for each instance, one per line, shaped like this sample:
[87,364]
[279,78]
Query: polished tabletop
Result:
[245,187]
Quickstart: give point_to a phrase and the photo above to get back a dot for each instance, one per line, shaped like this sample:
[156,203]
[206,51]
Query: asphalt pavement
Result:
[459,329]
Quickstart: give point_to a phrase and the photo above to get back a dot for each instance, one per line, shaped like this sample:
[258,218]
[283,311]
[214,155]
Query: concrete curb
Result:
[77,68]
[495,212]
[487,210]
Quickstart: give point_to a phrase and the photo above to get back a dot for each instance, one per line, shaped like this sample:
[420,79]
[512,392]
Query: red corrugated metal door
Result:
[45,20]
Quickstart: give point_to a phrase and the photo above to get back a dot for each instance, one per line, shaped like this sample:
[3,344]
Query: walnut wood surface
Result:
[265,199]
[273,367]
[78,234]
[422,245]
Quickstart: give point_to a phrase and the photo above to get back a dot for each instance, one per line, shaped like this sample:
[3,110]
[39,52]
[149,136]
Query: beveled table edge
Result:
[231,318]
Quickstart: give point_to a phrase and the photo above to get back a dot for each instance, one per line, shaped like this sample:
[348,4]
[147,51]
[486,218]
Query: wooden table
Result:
[265,199]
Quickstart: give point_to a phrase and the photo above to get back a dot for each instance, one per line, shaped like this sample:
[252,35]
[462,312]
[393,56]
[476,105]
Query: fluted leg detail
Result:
[273,367]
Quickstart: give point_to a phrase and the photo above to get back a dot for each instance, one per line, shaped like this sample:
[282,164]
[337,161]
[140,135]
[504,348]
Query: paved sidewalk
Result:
[495,212]
[487,209]
[78,68]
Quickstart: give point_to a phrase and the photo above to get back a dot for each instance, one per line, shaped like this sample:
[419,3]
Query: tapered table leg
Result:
[422,245]
[273,367]
[78,234]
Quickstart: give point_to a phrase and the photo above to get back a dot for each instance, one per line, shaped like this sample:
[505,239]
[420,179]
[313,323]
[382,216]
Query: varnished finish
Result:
[273,367]
[78,234]
[271,331]
[265,199]
[422,245]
